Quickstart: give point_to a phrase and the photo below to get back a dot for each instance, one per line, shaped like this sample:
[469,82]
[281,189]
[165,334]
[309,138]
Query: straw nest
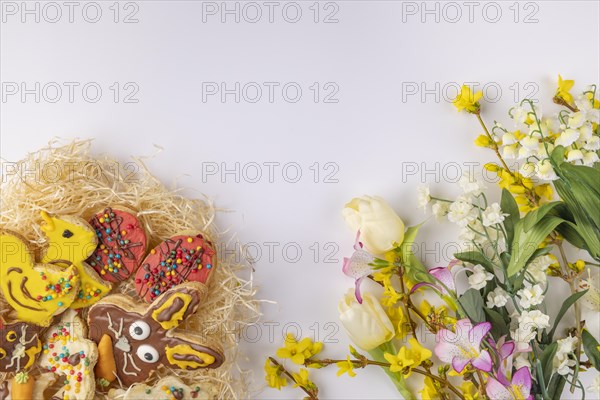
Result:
[68,179]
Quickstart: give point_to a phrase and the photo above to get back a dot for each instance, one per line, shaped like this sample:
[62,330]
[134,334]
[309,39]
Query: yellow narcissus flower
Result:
[467,100]
[564,86]
[273,375]
[408,358]
[346,367]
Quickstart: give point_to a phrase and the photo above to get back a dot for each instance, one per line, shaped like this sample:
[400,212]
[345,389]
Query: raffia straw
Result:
[67,179]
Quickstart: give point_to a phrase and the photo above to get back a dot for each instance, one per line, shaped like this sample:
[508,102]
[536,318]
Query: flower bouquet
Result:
[496,339]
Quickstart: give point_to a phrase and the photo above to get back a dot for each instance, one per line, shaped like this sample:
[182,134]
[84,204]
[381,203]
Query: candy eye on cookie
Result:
[139,330]
[147,354]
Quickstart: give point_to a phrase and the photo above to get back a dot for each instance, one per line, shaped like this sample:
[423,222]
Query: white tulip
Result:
[367,324]
[381,229]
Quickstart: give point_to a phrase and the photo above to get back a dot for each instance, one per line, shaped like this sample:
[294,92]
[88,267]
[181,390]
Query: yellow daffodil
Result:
[301,379]
[564,86]
[298,352]
[346,367]
[408,358]
[430,392]
[273,375]
[467,100]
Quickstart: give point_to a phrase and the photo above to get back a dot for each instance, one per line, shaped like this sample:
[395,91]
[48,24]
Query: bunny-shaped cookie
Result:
[143,337]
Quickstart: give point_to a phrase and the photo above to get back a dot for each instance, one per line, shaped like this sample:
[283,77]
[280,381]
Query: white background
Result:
[380,137]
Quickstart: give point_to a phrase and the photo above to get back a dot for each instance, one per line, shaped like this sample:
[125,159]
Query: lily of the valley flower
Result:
[519,388]
[358,266]
[366,323]
[463,346]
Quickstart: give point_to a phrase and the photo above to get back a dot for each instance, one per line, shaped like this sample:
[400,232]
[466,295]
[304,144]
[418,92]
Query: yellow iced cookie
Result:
[37,292]
[71,242]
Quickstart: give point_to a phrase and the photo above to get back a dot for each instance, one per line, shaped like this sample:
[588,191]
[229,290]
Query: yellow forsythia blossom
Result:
[430,391]
[273,376]
[469,391]
[301,379]
[467,100]
[408,358]
[483,141]
[563,90]
[346,367]
[298,352]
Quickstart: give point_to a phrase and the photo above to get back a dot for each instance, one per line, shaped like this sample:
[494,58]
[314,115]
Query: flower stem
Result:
[444,382]
[494,144]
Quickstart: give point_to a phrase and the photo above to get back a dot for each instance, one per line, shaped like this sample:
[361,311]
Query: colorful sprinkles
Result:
[57,290]
[174,261]
[61,361]
[115,258]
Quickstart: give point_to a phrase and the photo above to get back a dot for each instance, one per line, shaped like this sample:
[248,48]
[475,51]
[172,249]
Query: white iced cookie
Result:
[67,352]
[169,388]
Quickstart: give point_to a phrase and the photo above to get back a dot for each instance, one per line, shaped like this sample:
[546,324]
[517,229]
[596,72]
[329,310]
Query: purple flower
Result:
[463,346]
[518,389]
[358,266]
[443,275]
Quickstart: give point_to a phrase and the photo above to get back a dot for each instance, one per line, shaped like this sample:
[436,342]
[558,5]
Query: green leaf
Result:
[556,386]
[499,325]
[476,258]
[472,303]
[509,206]
[563,310]
[415,270]
[546,359]
[526,243]
[397,378]
[590,346]
[536,216]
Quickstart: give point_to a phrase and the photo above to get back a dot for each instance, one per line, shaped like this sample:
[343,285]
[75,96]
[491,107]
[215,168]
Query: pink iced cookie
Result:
[122,244]
[179,259]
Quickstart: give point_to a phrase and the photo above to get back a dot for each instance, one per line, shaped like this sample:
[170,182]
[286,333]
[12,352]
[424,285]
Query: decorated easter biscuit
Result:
[170,388]
[24,386]
[68,353]
[143,337]
[71,242]
[20,345]
[179,259]
[122,244]
[36,292]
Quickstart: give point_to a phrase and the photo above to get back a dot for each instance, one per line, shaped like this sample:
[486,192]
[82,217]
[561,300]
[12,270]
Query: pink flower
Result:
[463,346]
[519,387]
[441,274]
[358,266]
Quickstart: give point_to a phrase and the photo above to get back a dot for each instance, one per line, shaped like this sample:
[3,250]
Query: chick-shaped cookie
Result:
[140,338]
[71,241]
[20,344]
[36,292]
[67,352]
